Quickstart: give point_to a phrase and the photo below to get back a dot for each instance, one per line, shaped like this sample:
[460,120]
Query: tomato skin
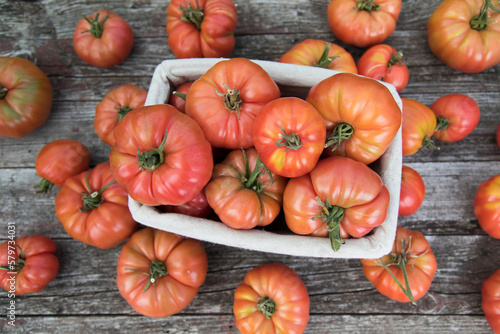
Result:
[177,101]
[185,262]
[419,123]
[40,268]
[486,206]
[215,37]
[25,97]
[412,191]
[197,207]
[286,289]
[490,301]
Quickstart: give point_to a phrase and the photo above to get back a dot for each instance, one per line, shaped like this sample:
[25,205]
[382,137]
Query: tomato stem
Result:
[442,123]
[93,199]
[267,306]
[341,132]
[428,143]
[481,21]
[122,111]
[251,180]
[181,95]
[3,91]
[332,215]
[44,186]
[20,263]
[231,99]
[324,61]
[96,27]
[157,269]
[368,5]
[193,16]
[152,160]
[290,141]
[395,59]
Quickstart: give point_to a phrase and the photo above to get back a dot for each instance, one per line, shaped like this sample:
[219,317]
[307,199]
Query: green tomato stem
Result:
[324,61]
[3,91]
[251,180]
[93,199]
[152,160]
[481,21]
[231,99]
[290,141]
[342,132]
[428,143]
[332,215]
[181,95]
[193,16]
[368,5]
[20,263]
[267,306]
[441,124]
[96,27]
[44,186]
[122,112]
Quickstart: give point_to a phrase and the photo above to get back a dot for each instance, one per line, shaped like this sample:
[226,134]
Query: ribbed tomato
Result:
[419,124]
[486,206]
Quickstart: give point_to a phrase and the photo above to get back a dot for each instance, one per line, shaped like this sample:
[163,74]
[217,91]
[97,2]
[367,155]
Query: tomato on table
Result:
[486,206]
[419,124]
[490,300]
[412,192]
[178,97]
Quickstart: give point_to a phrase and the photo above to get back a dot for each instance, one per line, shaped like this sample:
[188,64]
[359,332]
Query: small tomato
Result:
[412,191]
[419,123]
[486,206]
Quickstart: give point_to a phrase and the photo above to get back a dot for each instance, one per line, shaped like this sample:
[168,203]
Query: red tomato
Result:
[100,217]
[316,52]
[103,39]
[25,97]
[27,264]
[159,273]
[465,34]
[419,123]
[340,198]
[197,207]
[359,126]
[201,28]
[412,192]
[411,259]
[383,62]
[271,299]
[226,100]
[59,160]
[457,116]
[363,23]
[113,107]
[289,135]
[178,97]
[486,206]
[490,303]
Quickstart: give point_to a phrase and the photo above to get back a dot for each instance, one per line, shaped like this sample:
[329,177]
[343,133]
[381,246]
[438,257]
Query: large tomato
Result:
[490,300]
[103,39]
[412,192]
[159,273]
[486,206]
[27,264]
[359,126]
[25,97]
[226,100]
[465,34]
[419,124]
[271,299]
[161,156]
[201,28]
[406,273]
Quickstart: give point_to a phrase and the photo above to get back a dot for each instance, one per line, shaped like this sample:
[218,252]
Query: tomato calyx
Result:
[290,141]
[3,91]
[193,16]
[342,132]
[157,269]
[153,159]
[481,21]
[232,100]
[122,112]
[368,5]
[20,263]
[93,199]
[44,186]
[267,306]
[251,180]
[441,124]
[395,60]
[428,143]
[324,61]
[96,27]
[332,215]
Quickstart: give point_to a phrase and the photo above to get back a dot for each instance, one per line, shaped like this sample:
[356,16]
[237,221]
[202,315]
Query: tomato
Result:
[383,62]
[363,23]
[242,193]
[419,123]
[201,28]
[58,161]
[340,198]
[271,299]
[226,100]
[113,107]
[25,97]
[486,206]
[318,53]
[159,273]
[465,34]
[359,126]
[289,135]
[178,97]
[103,39]
[197,207]
[490,303]
[412,192]
[161,156]
[27,264]
[406,273]
[457,115]
[93,208]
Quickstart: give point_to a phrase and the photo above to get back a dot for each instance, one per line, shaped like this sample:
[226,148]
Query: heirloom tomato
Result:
[363,23]
[406,273]
[27,264]
[412,192]
[486,206]
[315,52]
[226,100]
[103,39]
[271,299]
[197,207]
[161,156]
[465,34]
[201,28]
[359,126]
[490,300]
[25,97]
[93,208]
[340,198]
[159,273]
[419,123]
[113,107]
[178,97]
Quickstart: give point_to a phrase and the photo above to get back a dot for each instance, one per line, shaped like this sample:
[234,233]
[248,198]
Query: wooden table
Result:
[84,296]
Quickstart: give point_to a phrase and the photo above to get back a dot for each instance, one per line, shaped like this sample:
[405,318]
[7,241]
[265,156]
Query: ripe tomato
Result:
[412,192]
[457,116]
[383,62]
[59,160]
[406,273]
[340,198]
[363,23]
[103,39]
[419,123]
[226,100]
[197,207]
[27,264]
[486,206]
[159,273]
[178,97]
[359,126]
[201,28]
[161,156]
[465,34]
[271,299]
[490,303]
[100,217]
[113,107]
[316,52]
[289,135]
[25,97]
